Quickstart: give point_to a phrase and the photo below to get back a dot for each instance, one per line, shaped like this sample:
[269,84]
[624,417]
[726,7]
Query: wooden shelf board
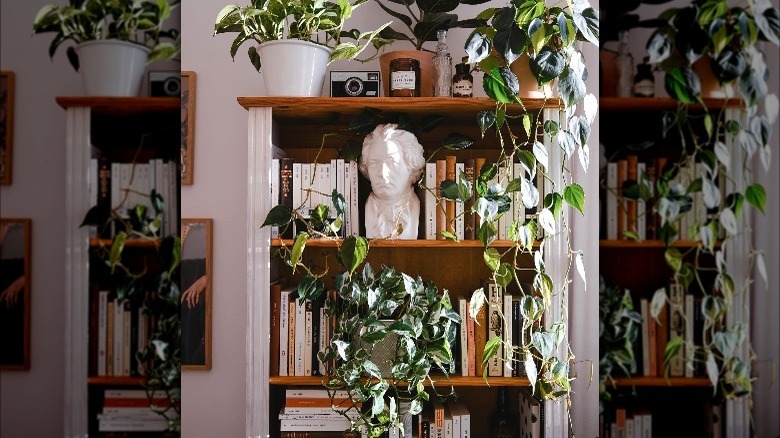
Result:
[659,104]
[660,382]
[294,108]
[631,244]
[136,243]
[440,380]
[402,243]
[116,380]
[121,106]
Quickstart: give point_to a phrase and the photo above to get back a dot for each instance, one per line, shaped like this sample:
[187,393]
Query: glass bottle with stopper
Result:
[442,67]
[462,82]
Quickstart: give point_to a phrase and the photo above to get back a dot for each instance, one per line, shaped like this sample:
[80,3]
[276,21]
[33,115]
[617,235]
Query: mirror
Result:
[15,294]
[196,295]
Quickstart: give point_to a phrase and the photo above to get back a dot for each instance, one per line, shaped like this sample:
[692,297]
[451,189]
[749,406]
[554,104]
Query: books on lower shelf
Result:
[128,410]
[636,420]
[118,332]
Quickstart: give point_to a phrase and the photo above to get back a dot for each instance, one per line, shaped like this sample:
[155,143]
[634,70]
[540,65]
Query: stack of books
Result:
[128,410]
[309,413]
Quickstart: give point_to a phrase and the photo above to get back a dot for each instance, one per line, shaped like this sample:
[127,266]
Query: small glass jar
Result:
[462,82]
[404,77]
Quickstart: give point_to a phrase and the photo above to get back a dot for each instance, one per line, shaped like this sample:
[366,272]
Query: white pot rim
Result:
[113,43]
[298,42]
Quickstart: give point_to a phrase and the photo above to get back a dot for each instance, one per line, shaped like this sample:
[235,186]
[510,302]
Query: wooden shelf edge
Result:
[403,243]
[134,103]
[628,244]
[140,243]
[659,103]
[661,382]
[116,380]
[457,381]
[419,105]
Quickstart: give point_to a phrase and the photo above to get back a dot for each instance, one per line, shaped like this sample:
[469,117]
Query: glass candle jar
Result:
[404,77]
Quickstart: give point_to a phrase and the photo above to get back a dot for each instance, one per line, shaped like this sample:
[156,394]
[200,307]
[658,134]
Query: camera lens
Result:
[172,86]
[353,86]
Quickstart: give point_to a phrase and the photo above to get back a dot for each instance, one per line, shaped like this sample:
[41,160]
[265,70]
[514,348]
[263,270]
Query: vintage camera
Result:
[354,84]
[164,84]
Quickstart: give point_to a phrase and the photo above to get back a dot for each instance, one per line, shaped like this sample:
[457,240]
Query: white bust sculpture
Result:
[393,161]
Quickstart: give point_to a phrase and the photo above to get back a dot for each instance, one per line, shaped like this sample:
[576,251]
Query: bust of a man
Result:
[393,161]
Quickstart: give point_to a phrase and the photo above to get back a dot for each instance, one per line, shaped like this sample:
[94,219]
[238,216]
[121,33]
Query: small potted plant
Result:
[421,27]
[114,40]
[296,40]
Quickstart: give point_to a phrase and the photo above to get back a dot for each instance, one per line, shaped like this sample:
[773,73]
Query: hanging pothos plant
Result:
[153,286]
[729,35]
[424,319]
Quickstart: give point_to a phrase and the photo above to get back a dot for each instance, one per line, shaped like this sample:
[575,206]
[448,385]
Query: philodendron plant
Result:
[139,22]
[729,35]
[319,21]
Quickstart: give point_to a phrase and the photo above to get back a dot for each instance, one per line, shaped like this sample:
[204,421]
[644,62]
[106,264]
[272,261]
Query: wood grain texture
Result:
[660,382]
[120,105]
[659,104]
[440,380]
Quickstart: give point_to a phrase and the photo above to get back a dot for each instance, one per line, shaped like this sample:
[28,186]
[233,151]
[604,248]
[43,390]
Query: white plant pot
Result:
[111,67]
[293,68]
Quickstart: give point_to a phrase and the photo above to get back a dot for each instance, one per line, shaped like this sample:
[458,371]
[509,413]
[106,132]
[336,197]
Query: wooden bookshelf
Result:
[636,104]
[121,106]
[631,244]
[456,381]
[402,243]
[661,382]
[116,380]
[135,243]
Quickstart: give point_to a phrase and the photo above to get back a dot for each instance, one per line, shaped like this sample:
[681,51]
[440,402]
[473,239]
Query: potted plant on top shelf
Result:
[421,27]
[114,40]
[297,40]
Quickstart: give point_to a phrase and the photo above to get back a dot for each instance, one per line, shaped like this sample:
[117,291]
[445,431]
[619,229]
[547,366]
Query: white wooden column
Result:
[258,273]
[76,288]
[556,259]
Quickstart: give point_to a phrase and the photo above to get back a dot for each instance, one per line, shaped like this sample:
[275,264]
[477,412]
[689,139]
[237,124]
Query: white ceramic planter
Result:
[293,68]
[111,67]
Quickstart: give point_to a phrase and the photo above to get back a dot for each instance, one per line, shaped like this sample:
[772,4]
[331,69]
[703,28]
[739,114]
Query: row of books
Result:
[300,330]
[637,422]
[681,318]
[128,410]
[637,216]
[119,331]
[122,186]
[303,186]
[312,410]
[458,218]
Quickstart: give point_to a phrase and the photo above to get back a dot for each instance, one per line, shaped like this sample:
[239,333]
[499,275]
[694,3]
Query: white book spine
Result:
[612,204]
[509,216]
[630,428]
[333,185]
[507,335]
[284,328]
[347,192]
[168,225]
[118,337]
[464,354]
[647,426]
[517,203]
[494,328]
[142,339]
[307,346]
[689,347]
[465,422]
[447,426]
[456,429]
[300,337]
[102,327]
[303,188]
[641,218]
[353,211]
[645,337]
[297,186]
[459,230]
[116,180]
[336,424]
[274,191]
[698,200]
[93,182]
[325,185]
[676,324]
[323,341]
[127,329]
[430,201]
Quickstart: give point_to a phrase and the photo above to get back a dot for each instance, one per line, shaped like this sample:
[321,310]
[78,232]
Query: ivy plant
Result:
[729,35]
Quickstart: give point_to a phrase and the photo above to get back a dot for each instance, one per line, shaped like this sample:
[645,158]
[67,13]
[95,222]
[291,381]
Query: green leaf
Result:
[756,196]
[712,372]
[278,216]
[753,86]
[543,342]
[353,251]
[491,349]
[492,258]
[310,288]
[504,274]
[547,65]
[673,258]
[449,189]
[574,195]
[672,348]
[682,84]
[478,47]
[657,304]
[587,23]
[496,87]
[297,249]
[527,124]
[485,119]
[486,233]
[117,246]
[476,302]
[571,86]
[530,370]
[456,141]
[659,47]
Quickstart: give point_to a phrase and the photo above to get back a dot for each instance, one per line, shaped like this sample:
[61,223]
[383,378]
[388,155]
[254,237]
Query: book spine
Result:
[676,327]
[275,299]
[292,314]
[284,331]
[441,210]
[468,215]
[662,337]
[612,201]
[286,191]
[110,316]
[494,327]
[354,210]
[118,338]
[689,347]
[315,336]
[479,162]
[506,330]
[464,354]
[516,327]
[459,219]
[645,337]
[480,339]
[323,341]
[300,337]
[622,217]
[660,164]
[450,173]
[102,330]
[430,201]
[641,212]
[652,341]
[274,191]
[471,344]
[127,334]
[143,339]
[652,175]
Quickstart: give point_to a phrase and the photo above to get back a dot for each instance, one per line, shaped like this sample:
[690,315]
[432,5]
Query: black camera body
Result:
[164,84]
[354,84]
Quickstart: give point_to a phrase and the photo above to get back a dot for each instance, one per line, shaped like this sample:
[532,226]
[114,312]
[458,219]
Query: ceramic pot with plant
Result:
[295,40]
[114,40]
[420,26]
